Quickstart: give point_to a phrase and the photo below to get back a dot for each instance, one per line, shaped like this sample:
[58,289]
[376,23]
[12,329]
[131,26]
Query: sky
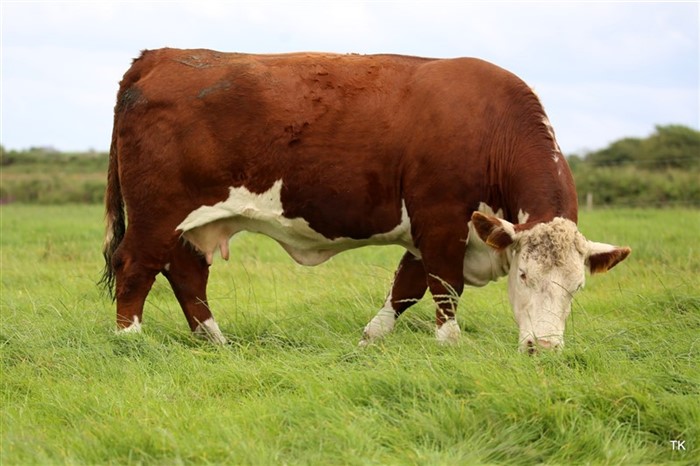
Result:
[603,70]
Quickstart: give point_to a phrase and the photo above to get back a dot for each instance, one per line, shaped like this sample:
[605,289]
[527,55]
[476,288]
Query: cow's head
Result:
[547,266]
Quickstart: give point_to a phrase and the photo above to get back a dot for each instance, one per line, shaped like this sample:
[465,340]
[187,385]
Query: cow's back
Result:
[352,138]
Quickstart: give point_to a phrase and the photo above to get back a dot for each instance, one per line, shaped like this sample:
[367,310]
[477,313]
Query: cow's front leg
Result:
[446,294]
[443,261]
[408,288]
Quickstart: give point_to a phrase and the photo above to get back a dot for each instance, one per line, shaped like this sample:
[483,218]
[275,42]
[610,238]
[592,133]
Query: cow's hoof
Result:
[368,338]
[380,325]
[448,333]
[209,330]
[134,327]
[364,342]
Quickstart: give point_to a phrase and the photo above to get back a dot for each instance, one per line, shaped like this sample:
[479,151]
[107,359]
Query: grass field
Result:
[294,388]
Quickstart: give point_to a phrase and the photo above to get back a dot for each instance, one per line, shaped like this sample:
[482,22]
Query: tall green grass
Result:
[294,388]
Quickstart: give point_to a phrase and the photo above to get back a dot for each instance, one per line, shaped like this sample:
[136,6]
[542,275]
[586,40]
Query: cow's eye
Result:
[523,275]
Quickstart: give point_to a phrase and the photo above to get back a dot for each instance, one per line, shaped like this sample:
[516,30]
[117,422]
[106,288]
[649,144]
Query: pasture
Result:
[294,388]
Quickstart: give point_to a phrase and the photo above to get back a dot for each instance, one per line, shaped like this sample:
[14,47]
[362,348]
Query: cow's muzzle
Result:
[532,346]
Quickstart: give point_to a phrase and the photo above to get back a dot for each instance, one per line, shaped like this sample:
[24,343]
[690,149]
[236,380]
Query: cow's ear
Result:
[494,231]
[602,257]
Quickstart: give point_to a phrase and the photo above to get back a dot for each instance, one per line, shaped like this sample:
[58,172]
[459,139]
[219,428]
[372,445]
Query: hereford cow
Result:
[455,160]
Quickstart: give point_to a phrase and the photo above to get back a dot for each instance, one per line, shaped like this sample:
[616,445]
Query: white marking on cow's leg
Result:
[448,332]
[209,329]
[135,327]
[380,325]
[166,267]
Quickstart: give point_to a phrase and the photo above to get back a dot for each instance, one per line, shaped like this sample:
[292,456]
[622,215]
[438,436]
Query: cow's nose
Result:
[546,344]
[532,346]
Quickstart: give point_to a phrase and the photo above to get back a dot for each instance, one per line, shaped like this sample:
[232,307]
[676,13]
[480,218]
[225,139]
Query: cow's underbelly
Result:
[209,228]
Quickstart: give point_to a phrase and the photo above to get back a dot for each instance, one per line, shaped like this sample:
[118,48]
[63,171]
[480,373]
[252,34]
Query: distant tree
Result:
[574,160]
[6,157]
[618,153]
[671,146]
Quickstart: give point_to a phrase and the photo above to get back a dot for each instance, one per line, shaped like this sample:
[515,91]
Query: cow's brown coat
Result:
[352,137]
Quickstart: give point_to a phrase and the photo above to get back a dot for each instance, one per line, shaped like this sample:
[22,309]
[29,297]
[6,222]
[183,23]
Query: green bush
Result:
[44,176]
[632,187]
[661,170]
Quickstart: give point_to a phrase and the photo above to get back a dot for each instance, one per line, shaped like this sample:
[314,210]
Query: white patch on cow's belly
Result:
[209,228]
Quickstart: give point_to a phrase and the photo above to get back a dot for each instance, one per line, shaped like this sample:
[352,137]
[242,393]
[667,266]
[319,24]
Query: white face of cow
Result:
[547,266]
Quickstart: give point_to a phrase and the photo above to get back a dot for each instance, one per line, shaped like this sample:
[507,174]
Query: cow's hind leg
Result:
[188,273]
[408,287]
[135,268]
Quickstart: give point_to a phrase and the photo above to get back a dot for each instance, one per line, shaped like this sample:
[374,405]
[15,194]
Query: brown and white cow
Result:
[455,160]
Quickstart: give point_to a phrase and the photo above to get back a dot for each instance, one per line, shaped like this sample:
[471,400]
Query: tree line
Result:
[660,170]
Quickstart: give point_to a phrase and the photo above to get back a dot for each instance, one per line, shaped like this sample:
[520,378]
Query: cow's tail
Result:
[114,215]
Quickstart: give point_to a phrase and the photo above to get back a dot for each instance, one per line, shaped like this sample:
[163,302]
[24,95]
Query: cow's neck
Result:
[537,187]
